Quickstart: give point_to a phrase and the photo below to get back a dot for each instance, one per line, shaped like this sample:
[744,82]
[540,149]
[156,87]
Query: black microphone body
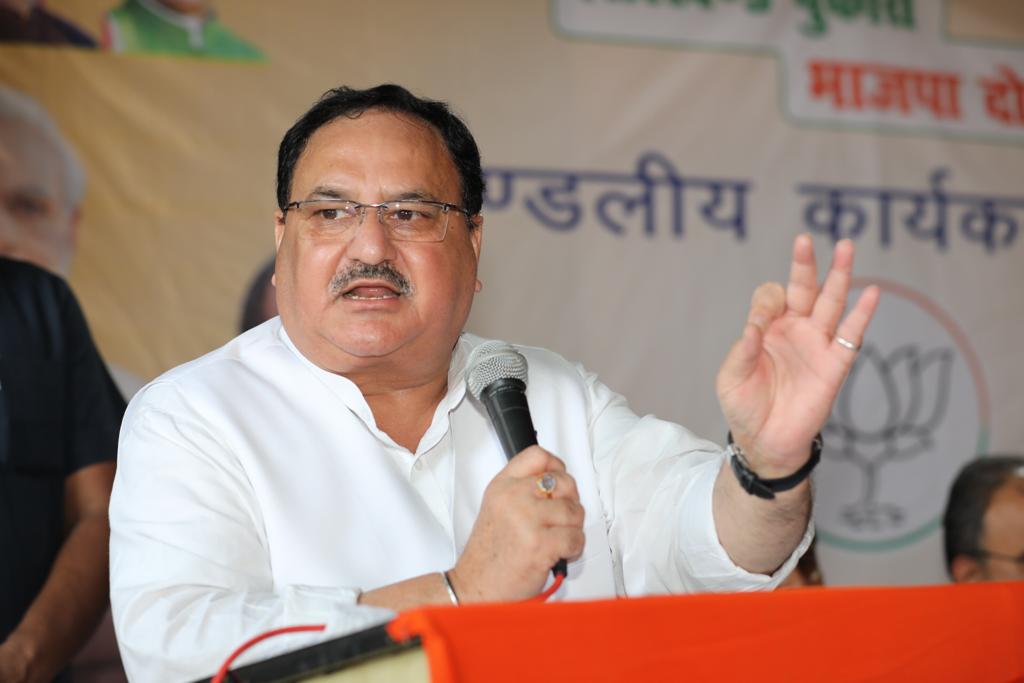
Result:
[505,401]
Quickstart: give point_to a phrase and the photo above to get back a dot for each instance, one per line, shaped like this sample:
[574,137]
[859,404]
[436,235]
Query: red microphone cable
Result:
[552,589]
[223,671]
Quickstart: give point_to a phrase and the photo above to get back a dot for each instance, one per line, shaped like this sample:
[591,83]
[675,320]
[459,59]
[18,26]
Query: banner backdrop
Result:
[649,163]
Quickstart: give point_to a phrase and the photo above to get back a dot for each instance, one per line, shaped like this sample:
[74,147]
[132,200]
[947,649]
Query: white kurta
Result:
[254,490]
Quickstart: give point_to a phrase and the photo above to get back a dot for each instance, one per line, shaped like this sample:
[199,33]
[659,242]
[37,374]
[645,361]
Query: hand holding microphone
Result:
[531,518]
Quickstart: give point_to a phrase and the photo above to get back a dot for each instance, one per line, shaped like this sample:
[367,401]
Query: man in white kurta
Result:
[329,467]
[258,491]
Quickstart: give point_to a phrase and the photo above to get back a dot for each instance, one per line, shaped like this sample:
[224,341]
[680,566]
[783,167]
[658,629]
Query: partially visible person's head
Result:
[41,185]
[984,521]
[260,303]
[370,297]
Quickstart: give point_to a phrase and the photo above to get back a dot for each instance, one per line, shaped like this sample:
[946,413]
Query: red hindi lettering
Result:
[1004,97]
[838,81]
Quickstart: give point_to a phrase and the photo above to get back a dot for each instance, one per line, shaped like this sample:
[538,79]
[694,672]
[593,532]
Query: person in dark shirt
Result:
[59,419]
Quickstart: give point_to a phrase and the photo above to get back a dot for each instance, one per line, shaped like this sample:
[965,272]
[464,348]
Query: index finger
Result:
[534,460]
[802,289]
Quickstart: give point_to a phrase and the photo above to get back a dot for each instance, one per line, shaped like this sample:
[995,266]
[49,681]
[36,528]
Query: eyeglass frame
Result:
[361,208]
[981,553]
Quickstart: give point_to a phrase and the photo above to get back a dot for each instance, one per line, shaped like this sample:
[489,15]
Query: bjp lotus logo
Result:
[887,411]
[913,410]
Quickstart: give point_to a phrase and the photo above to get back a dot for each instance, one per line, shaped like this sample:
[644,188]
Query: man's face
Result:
[1004,533]
[377,157]
[36,222]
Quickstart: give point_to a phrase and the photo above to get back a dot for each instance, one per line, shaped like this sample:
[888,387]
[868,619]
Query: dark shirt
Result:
[40,26]
[59,412]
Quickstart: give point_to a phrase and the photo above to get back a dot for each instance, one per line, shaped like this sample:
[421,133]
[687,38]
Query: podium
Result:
[936,633]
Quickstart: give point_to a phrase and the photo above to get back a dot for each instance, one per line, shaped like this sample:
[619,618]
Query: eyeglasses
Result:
[412,220]
[1019,559]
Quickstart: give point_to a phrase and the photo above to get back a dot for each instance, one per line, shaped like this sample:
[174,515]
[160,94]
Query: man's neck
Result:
[405,412]
[402,388]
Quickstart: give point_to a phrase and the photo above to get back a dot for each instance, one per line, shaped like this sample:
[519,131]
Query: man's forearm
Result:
[758,534]
[70,604]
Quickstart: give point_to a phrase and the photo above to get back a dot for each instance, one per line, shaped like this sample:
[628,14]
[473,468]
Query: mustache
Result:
[377,271]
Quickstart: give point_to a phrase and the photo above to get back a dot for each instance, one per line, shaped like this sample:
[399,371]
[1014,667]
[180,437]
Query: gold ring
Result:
[546,484]
[847,344]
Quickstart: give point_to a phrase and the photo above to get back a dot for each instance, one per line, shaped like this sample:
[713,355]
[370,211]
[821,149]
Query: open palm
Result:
[777,383]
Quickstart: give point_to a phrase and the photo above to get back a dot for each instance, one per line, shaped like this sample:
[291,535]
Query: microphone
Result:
[497,378]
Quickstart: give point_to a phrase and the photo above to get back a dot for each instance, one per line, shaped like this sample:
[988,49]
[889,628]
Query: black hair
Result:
[972,491]
[352,103]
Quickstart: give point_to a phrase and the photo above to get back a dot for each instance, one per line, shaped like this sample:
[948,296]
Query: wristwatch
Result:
[767,488]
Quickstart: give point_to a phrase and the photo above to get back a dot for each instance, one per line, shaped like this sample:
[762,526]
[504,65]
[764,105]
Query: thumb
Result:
[741,360]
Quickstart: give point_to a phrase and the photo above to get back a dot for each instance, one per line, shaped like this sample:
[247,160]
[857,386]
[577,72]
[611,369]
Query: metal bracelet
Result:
[448,586]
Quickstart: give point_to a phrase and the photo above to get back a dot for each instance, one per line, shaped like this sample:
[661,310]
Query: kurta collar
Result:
[349,394]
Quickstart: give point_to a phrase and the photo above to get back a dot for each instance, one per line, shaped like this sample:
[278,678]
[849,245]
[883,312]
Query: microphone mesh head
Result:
[491,361]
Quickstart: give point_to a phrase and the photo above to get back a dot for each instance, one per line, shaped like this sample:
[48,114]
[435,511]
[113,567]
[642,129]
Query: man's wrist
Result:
[766,488]
[455,580]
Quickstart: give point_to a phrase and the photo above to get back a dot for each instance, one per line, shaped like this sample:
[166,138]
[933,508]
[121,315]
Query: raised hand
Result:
[521,532]
[777,383]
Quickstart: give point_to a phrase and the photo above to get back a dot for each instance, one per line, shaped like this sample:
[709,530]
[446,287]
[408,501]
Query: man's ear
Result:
[278,229]
[966,569]
[476,236]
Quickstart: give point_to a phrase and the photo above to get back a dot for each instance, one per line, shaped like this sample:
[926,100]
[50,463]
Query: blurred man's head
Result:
[984,521]
[41,185]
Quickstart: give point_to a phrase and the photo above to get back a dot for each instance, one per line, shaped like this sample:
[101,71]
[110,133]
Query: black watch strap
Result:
[767,488]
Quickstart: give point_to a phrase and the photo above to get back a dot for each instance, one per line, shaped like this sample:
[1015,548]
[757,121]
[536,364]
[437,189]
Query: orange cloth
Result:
[937,633]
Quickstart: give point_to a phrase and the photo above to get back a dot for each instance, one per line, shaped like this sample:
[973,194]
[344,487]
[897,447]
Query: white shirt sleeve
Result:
[656,481]
[189,569]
